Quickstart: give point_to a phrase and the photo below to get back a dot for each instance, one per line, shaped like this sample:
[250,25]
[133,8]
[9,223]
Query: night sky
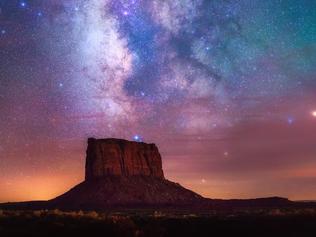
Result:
[226,89]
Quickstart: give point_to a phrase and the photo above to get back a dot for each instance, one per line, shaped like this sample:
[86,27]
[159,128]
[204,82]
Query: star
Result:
[137,138]
[23,4]
[290,120]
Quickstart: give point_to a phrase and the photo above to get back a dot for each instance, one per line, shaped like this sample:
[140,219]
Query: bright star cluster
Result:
[225,88]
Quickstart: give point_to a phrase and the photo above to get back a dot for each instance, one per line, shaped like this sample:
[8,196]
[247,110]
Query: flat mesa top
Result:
[115,140]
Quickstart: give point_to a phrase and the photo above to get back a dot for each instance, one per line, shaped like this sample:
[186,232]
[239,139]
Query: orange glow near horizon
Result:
[45,187]
[36,188]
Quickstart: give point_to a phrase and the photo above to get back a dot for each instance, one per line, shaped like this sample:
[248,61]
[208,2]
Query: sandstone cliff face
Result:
[118,157]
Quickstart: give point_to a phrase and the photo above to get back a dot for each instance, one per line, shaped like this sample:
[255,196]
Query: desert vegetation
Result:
[259,222]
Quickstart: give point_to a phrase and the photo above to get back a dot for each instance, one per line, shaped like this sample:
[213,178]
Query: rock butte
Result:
[124,173]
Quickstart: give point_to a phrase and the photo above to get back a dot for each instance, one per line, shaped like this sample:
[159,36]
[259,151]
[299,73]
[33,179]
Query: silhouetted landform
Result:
[135,191]
[127,174]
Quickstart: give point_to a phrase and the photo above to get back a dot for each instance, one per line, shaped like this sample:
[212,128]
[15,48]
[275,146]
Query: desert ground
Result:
[247,222]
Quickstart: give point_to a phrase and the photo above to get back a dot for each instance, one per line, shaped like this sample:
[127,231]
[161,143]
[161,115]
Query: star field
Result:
[226,89]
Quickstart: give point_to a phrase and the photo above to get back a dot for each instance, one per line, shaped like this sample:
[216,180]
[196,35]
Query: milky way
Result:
[225,88]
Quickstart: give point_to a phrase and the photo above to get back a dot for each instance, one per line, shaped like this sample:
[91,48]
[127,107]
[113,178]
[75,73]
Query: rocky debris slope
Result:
[136,191]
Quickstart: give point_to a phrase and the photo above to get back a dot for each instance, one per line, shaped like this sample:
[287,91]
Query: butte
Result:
[121,173]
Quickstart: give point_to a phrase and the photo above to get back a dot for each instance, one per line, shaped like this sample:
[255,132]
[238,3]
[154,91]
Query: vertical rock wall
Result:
[118,157]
